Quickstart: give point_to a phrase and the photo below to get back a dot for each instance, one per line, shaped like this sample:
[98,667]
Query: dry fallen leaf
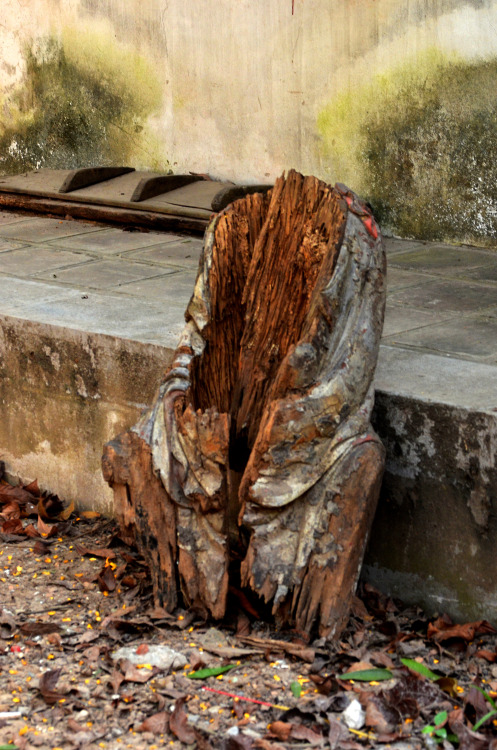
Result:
[12,526]
[107,554]
[106,579]
[49,507]
[47,684]
[157,723]
[46,529]
[280,729]
[178,723]
[65,514]
[9,493]
[440,632]
[11,510]
[133,674]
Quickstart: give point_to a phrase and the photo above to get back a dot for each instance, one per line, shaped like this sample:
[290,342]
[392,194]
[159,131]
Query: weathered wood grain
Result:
[260,433]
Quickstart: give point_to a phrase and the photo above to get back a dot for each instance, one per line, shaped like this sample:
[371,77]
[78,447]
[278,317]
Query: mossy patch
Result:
[419,144]
[84,101]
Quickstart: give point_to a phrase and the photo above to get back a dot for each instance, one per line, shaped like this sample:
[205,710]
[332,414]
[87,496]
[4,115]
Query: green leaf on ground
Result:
[203,674]
[421,669]
[483,719]
[296,689]
[367,675]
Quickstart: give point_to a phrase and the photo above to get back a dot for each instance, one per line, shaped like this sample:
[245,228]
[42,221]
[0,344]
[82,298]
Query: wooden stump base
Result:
[259,447]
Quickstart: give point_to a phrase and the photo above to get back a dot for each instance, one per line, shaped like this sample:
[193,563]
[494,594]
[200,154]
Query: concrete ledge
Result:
[89,316]
[63,394]
[433,539]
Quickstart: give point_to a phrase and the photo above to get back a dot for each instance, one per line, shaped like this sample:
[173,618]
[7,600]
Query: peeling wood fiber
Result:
[261,432]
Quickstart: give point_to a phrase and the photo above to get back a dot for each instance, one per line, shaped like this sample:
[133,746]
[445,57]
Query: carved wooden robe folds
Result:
[257,461]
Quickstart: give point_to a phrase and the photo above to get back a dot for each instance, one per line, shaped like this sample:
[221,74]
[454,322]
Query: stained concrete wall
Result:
[433,538]
[63,394]
[396,97]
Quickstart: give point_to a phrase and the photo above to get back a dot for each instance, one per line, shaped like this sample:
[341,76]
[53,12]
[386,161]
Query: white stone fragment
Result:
[157,656]
[354,715]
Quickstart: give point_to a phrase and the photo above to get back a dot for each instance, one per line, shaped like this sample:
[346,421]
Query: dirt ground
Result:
[73,595]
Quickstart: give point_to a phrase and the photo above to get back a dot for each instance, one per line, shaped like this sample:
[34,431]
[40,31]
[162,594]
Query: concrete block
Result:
[63,394]
[433,538]
[110,241]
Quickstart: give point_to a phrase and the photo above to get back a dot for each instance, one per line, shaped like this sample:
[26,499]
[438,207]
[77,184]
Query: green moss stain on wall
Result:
[84,100]
[419,143]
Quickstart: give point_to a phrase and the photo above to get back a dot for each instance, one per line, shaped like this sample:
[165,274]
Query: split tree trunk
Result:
[258,451]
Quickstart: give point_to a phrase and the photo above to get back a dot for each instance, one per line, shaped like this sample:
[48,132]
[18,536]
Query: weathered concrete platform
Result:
[90,316]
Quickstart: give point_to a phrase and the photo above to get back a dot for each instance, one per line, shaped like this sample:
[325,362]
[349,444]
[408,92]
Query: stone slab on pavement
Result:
[43,230]
[29,260]
[174,289]
[111,241]
[183,253]
[472,337]
[10,245]
[108,273]
[401,318]
[443,260]
[398,278]
[447,296]
[486,273]
[111,314]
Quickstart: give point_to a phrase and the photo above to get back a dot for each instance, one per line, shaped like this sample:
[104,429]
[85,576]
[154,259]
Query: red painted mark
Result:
[243,698]
[370,225]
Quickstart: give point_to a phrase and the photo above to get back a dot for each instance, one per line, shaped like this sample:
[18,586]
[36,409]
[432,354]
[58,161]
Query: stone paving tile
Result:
[9,217]
[27,261]
[138,284]
[43,230]
[105,274]
[9,245]
[474,337]
[111,241]
[394,245]
[400,318]
[398,278]
[442,260]
[447,296]
[111,314]
[18,295]
[487,273]
[184,253]
[176,288]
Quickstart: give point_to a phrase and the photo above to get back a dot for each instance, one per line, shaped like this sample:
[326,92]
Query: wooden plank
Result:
[199,194]
[234,192]
[116,215]
[40,182]
[80,178]
[149,187]
[114,191]
[141,190]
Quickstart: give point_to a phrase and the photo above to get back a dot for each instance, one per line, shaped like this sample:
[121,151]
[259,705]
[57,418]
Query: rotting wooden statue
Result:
[258,459]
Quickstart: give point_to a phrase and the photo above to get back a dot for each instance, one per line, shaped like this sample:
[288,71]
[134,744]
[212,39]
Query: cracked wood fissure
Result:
[260,432]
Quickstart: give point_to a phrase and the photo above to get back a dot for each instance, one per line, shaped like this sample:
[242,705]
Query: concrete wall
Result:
[63,394]
[395,97]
